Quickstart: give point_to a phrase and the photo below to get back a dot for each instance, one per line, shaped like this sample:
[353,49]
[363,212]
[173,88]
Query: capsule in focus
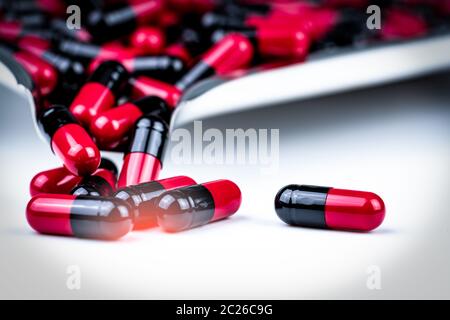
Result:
[144,216]
[99,93]
[329,208]
[111,128]
[142,162]
[70,141]
[193,206]
[232,52]
[62,181]
[80,216]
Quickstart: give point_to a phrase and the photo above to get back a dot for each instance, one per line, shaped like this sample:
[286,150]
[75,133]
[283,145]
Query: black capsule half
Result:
[94,186]
[302,205]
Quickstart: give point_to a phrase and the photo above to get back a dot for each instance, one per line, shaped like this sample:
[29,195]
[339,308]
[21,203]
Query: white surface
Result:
[393,141]
[329,75]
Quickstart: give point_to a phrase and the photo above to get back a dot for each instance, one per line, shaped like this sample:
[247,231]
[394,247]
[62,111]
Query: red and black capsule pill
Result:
[185,208]
[112,127]
[62,181]
[162,67]
[145,216]
[108,25]
[142,162]
[329,208]
[80,216]
[70,141]
[232,52]
[100,92]
[88,52]
[44,76]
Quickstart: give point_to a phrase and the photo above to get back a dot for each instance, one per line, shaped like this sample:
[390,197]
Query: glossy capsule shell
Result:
[112,127]
[232,52]
[143,161]
[185,208]
[100,92]
[94,186]
[145,194]
[70,141]
[62,181]
[329,208]
[80,216]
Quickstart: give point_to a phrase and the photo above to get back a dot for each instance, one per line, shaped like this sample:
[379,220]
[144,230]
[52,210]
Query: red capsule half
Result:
[148,40]
[185,208]
[99,93]
[111,128]
[402,24]
[143,86]
[329,208]
[80,216]
[70,141]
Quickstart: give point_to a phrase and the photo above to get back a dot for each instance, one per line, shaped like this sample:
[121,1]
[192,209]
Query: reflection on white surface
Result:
[393,141]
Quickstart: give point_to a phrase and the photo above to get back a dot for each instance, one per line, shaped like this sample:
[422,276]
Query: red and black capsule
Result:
[142,162]
[185,208]
[144,217]
[80,216]
[62,181]
[42,73]
[142,86]
[89,52]
[273,40]
[69,140]
[232,52]
[71,71]
[329,208]
[107,25]
[112,127]
[100,92]
[11,31]
[162,67]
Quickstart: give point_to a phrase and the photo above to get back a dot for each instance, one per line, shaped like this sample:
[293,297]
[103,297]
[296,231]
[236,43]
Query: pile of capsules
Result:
[112,82]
